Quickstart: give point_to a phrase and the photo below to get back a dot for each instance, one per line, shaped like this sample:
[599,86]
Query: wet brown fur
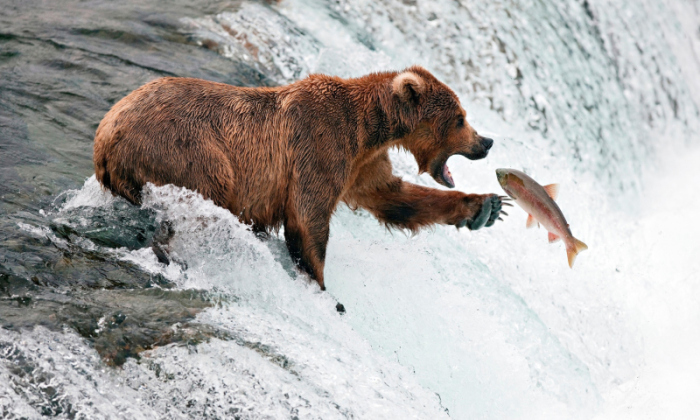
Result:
[288,155]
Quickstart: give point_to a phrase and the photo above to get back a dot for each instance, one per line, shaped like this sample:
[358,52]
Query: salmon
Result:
[538,202]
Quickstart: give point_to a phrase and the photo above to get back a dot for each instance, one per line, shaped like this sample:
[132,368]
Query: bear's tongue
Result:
[447,176]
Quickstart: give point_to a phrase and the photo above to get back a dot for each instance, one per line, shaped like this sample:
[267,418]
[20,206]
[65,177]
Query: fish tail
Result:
[573,250]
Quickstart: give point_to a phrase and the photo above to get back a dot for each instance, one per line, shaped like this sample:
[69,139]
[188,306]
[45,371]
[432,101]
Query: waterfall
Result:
[599,96]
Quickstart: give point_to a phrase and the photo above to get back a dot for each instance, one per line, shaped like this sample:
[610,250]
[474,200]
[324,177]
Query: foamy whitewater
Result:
[599,96]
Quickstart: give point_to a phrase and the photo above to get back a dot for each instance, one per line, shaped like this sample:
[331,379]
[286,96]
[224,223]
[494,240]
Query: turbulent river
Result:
[600,96]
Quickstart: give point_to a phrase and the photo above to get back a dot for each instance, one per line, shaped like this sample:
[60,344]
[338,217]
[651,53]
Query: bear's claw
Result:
[491,210]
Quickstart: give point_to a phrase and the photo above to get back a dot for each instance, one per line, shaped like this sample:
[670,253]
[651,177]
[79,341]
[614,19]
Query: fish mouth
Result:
[505,178]
[502,174]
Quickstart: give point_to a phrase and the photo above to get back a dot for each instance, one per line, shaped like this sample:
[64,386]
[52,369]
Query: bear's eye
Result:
[460,122]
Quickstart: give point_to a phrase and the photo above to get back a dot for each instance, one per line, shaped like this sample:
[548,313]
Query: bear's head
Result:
[431,123]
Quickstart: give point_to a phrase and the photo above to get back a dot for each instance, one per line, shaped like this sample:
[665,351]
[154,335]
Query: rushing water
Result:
[599,96]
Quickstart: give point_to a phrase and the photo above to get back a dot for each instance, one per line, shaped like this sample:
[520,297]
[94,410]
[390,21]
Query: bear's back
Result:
[217,139]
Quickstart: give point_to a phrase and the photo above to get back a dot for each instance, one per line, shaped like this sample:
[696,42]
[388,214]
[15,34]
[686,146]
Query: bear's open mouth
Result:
[446,176]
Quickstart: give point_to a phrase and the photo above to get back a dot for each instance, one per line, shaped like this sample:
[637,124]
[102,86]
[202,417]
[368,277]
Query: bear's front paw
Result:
[486,214]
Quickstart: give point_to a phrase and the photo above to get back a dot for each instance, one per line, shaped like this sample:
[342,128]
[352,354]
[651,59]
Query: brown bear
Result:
[288,155]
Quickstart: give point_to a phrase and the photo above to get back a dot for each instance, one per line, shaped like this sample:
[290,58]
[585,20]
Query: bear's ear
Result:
[409,87]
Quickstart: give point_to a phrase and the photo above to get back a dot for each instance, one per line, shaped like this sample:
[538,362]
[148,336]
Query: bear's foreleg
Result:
[408,206]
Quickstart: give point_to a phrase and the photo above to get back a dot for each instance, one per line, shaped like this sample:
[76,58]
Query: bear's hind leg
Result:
[306,241]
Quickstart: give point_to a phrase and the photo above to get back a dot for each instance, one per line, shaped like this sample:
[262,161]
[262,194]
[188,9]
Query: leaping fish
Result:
[538,202]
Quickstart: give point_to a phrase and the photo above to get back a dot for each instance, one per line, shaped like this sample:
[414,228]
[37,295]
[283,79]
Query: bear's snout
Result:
[480,148]
[486,143]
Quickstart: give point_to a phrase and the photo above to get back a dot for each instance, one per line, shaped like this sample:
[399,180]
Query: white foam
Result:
[661,291]
[91,195]
[57,373]
[575,95]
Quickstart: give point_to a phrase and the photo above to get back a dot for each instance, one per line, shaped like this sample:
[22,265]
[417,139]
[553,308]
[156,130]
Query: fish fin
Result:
[572,252]
[530,221]
[552,190]
[552,237]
